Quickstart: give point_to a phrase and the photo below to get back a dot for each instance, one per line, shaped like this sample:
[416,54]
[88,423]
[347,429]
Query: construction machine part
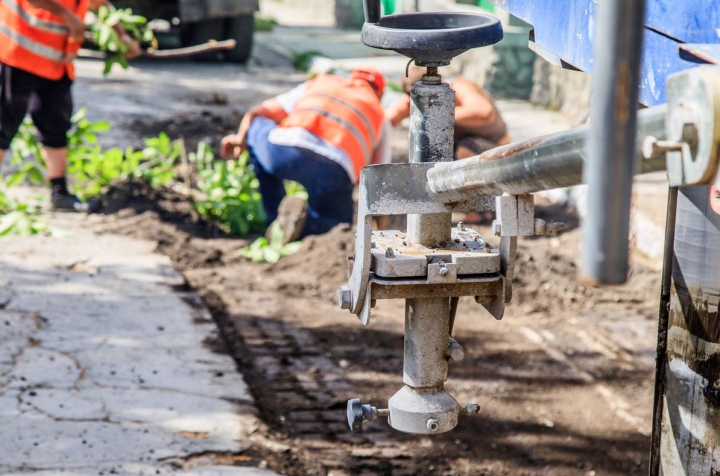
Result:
[693,125]
[690,373]
[432,264]
[612,151]
[432,38]
[542,163]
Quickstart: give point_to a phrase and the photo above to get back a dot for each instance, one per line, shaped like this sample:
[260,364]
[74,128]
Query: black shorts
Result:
[48,101]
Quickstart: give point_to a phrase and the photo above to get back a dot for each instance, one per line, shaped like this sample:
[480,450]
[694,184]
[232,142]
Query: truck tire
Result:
[241,29]
[202,32]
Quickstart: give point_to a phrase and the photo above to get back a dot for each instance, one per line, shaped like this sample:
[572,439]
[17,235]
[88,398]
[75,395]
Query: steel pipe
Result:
[535,165]
[612,147]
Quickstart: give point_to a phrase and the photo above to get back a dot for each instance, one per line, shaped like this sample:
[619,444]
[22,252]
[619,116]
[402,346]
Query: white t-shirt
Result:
[299,137]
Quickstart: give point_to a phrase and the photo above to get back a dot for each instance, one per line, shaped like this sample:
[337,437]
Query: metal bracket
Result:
[693,127]
[392,189]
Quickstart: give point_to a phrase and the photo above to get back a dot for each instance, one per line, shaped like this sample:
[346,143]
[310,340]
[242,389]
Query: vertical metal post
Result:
[426,331]
[618,49]
[432,128]
[661,359]
[423,406]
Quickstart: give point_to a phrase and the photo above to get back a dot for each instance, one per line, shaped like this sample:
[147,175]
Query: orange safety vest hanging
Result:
[35,40]
[344,112]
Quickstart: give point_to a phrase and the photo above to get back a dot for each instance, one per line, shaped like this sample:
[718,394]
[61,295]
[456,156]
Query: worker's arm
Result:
[399,110]
[473,108]
[235,144]
[383,151]
[133,46]
[74,23]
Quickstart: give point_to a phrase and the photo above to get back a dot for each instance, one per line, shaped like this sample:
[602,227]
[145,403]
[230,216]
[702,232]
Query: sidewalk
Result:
[106,367]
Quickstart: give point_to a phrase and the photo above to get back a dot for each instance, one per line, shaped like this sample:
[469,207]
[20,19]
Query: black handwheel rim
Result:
[432,36]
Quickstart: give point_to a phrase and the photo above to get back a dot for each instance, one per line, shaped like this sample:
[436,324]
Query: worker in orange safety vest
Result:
[38,41]
[320,134]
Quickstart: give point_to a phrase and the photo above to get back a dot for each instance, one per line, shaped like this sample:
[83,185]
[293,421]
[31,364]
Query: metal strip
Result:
[355,110]
[35,22]
[346,125]
[32,46]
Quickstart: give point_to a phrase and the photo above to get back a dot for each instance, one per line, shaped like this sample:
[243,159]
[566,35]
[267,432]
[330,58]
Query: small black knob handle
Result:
[372,11]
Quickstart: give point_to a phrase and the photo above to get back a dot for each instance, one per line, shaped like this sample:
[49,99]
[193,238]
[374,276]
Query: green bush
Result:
[230,192]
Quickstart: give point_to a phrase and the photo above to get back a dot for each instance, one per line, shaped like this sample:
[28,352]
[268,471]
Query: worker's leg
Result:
[16,87]
[329,197]
[51,110]
[263,157]
[328,186]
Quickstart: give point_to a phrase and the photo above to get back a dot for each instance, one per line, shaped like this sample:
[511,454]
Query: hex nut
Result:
[344,297]
[471,408]
[456,353]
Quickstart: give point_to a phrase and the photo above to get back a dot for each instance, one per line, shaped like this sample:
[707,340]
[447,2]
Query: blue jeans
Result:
[328,185]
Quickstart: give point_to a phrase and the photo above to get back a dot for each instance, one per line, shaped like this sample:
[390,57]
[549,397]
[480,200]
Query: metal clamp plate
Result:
[468,253]
[392,189]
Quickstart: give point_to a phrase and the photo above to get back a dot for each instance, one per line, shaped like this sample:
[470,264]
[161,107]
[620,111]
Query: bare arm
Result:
[235,144]
[473,108]
[398,111]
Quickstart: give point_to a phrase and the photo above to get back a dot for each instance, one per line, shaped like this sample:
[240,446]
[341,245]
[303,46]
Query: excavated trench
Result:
[564,381]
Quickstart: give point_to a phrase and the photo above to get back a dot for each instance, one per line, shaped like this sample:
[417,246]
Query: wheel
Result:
[202,32]
[241,29]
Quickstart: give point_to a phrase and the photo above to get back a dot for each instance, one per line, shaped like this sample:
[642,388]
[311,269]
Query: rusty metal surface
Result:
[663,317]
[701,53]
[691,416]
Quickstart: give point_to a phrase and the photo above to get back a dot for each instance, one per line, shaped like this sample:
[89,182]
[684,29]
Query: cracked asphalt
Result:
[105,366]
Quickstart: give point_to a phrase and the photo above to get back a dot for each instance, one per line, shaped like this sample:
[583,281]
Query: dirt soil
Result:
[564,381]
[204,126]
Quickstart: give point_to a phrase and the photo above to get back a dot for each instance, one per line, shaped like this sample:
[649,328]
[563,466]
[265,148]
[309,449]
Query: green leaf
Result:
[271,255]
[291,248]
[15,179]
[36,176]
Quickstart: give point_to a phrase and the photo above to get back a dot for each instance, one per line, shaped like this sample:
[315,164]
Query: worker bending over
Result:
[38,41]
[478,123]
[320,134]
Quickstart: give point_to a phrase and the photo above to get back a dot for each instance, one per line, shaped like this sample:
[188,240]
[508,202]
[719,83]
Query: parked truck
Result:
[199,21]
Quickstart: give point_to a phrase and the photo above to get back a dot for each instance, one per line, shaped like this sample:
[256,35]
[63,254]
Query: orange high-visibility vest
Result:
[344,112]
[35,40]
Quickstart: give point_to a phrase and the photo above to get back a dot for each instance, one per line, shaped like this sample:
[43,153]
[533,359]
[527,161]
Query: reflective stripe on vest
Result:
[344,113]
[35,40]
[33,46]
[356,111]
[32,20]
[367,148]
